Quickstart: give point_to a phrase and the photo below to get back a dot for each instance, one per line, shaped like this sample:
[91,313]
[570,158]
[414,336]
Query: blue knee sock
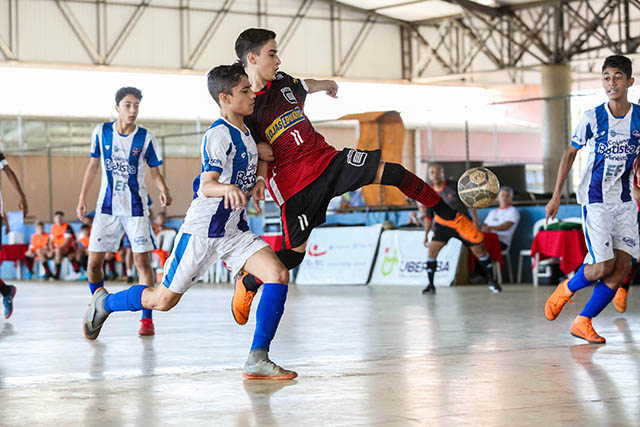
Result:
[578,281]
[146,313]
[268,315]
[127,300]
[602,296]
[94,286]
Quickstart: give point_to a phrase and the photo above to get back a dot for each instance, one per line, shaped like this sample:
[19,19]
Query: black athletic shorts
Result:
[349,170]
[442,233]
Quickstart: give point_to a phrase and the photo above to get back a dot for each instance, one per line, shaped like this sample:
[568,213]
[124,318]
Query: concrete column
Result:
[556,113]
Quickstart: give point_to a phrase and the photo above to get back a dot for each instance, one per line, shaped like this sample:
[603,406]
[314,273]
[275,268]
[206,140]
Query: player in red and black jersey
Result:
[306,172]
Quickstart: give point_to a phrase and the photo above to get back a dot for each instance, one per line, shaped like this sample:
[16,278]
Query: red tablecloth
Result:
[492,243]
[13,252]
[567,245]
[274,240]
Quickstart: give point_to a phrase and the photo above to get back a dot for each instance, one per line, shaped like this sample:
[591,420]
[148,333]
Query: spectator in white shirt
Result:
[503,220]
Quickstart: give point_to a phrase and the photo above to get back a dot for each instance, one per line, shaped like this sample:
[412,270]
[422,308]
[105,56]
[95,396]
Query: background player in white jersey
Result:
[122,149]
[610,132]
[215,228]
[9,291]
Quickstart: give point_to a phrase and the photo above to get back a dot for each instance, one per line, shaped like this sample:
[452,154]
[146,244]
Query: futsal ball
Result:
[478,187]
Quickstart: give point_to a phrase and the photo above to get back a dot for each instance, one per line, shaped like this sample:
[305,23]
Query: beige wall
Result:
[67,175]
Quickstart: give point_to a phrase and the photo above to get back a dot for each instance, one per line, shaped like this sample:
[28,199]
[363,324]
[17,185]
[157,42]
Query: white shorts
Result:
[192,255]
[107,232]
[608,227]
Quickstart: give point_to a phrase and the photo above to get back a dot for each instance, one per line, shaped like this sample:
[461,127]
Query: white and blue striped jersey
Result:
[613,149]
[234,154]
[122,191]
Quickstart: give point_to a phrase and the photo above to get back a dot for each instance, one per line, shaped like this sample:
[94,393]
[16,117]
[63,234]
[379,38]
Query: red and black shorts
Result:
[348,170]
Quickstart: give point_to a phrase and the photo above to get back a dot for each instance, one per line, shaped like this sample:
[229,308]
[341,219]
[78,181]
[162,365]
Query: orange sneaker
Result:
[620,300]
[146,327]
[557,300]
[582,328]
[465,228]
[241,302]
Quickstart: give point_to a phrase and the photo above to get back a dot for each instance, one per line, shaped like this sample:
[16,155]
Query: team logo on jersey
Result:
[282,123]
[612,132]
[135,151]
[288,95]
[636,133]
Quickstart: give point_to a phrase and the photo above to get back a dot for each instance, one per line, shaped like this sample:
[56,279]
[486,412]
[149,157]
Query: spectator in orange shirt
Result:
[63,243]
[82,247]
[158,227]
[40,247]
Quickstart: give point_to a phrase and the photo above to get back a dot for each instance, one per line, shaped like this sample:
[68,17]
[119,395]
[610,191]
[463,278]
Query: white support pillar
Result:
[556,113]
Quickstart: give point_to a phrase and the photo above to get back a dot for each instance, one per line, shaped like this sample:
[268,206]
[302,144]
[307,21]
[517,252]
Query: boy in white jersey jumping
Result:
[122,149]
[610,132]
[215,228]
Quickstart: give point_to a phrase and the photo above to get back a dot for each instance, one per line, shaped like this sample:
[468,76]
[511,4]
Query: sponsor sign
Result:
[402,260]
[339,256]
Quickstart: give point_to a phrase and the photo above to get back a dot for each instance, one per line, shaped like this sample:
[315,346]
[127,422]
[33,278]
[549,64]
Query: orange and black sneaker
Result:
[557,300]
[242,299]
[620,300]
[582,328]
[464,226]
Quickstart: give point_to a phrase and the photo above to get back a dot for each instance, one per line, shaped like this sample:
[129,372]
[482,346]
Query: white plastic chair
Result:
[537,226]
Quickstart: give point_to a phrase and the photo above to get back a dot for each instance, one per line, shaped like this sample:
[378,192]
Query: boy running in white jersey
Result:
[215,228]
[122,149]
[611,134]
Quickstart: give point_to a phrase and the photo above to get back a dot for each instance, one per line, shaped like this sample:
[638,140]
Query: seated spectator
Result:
[40,247]
[82,248]
[165,236]
[503,220]
[416,219]
[63,243]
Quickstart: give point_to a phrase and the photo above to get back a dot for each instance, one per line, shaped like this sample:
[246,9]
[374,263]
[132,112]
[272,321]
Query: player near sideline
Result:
[442,233]
[122,149]
[215,228]
[8,292]
[307,172]
[610,132]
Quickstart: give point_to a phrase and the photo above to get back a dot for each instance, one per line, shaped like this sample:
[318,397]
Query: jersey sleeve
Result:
[152,156]
[3,161]
[513,216]
[298,86]
[95,142]
[216,146]
[584,131]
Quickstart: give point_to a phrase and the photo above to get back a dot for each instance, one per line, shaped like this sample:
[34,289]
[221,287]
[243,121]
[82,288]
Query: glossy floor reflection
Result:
[365,355]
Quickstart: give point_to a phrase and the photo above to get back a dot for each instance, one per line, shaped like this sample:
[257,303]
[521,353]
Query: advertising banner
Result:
[339,256]
[402,260]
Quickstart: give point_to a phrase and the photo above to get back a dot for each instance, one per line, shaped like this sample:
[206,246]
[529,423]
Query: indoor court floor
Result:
[366,356]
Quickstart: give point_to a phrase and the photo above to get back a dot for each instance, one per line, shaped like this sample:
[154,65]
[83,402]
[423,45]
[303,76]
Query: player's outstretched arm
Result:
[234,198]
[87,182]
[566,162]
[22,199]
[265,152]
[158,180]
[329,86]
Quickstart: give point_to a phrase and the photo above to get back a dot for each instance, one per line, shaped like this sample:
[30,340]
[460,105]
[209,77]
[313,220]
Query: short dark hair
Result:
[252,40]
[40,223]
[223,78]
[84,227]
[128,90]
[58,213]
[619,61]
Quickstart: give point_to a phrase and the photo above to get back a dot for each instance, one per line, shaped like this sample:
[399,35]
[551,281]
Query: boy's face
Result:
[242,99]
[615,83]
[267,61]
[504,199]
[58,219]
[128,109]
[39,229]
